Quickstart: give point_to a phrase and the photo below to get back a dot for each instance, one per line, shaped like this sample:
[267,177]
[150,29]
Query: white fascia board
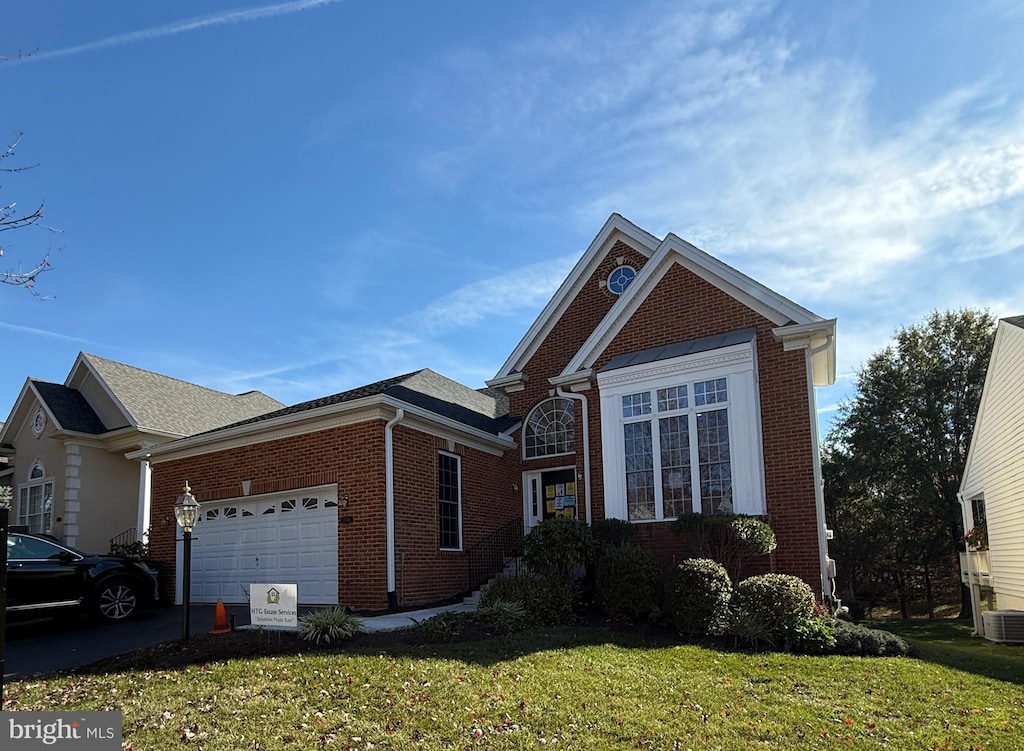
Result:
[444,427]
[575,380]
[767,302]
[16,420]
[299,423]
[83,362]
[818,337]
[509,383]
[615,228]
[967,483]
[673,249]
[240,435]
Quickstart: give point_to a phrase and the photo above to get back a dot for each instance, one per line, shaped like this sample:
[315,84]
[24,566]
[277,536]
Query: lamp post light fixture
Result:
[186,512]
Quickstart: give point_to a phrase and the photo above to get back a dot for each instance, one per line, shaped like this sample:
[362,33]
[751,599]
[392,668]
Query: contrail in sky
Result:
[180,27]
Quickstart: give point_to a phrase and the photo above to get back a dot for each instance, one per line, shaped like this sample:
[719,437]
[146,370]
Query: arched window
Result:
[551,429]
[37,471]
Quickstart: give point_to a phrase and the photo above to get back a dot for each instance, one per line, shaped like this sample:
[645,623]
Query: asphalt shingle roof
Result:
[421,388]
[1017,321]
[70,408]
[167,405]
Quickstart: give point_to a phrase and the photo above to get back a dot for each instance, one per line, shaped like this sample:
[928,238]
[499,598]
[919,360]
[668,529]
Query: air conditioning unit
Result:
[1004,625]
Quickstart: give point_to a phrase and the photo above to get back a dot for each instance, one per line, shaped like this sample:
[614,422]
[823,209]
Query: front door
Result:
[548,494]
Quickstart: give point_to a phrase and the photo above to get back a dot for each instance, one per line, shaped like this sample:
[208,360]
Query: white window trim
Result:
[458,491]
[737,365]
[526,424]
[31,482]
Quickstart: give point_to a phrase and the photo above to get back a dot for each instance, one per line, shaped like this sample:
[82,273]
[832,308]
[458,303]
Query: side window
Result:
[30,549]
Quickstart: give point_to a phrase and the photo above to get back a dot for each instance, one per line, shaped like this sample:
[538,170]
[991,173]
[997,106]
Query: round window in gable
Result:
[619,279]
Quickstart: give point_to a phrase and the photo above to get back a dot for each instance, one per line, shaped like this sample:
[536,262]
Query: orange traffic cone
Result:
[220,619]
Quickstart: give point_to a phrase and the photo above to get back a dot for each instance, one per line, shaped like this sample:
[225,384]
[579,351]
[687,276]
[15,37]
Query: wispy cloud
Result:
[47,334]
[180,27]
[525,288]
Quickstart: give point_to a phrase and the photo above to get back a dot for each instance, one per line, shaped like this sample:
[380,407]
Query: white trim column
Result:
[145,501]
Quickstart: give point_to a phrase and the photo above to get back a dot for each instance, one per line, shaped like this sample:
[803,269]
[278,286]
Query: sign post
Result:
[4,520]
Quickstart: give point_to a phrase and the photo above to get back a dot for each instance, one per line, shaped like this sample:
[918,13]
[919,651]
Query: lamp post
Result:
[186,512]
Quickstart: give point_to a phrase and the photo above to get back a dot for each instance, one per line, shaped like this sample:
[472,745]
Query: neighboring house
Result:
[656,381]
[992,490]
[66,445]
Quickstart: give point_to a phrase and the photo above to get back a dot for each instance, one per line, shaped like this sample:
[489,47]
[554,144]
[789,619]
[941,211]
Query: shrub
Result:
[813,636]
[443,627]
[730,539]
[330,624]
[505,616]
[698,595]
[774,603]
[856,640]
[548,601]
[137,549]
[557,546]
[628,582]
[611,533]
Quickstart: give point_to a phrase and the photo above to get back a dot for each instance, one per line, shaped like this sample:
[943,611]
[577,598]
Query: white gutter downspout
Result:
[979,629]
[586,444]
[819,484]
[389,502]
[145,500]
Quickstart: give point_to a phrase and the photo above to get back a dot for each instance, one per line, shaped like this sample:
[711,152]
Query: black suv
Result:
[44,577]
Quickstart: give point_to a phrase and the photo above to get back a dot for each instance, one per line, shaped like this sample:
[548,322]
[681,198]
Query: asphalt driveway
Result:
[45,646]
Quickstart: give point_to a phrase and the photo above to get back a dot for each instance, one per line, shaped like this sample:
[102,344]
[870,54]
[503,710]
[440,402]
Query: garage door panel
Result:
[234,549]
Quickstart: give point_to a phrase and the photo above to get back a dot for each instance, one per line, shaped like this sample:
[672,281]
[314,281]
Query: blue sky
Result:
[302,197]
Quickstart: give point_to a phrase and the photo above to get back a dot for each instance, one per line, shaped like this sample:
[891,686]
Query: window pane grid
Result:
[710,392]
[676,483]
[448,501]
[551,429]
[639,448]
[634,405]
[715,465]
[672,398]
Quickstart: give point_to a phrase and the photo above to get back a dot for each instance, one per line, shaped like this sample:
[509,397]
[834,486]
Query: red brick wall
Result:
[423,572]
[682,307]
[351,456]
[582,316]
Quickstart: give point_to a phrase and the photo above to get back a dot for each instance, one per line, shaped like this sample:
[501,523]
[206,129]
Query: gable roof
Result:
[615,228]
[797,327]
[156,403]
[69,409]
[423,388]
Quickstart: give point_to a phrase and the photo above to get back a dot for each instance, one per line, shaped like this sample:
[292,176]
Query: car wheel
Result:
[117,600]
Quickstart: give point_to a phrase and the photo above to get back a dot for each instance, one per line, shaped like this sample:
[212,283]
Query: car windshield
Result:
[23,547]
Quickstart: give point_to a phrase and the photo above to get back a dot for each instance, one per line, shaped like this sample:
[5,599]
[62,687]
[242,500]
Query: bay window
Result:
[682,435]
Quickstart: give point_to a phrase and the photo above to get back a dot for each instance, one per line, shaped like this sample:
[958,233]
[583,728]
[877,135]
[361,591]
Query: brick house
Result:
[657,381]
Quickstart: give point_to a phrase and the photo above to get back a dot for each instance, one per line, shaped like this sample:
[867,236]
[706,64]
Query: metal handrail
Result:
[125,538]
[493,553]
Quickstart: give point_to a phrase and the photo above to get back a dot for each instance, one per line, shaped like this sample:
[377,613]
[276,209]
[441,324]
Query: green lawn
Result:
[554,688]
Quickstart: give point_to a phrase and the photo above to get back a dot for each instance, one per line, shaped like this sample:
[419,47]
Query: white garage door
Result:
[280,538]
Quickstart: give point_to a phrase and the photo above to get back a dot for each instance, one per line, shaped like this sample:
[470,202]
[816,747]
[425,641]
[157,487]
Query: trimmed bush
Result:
[628,582]
[611,533]
[547,601]
[698,595]
[856,640]
[330,624]
[772,604]
[557,546]
[730,539]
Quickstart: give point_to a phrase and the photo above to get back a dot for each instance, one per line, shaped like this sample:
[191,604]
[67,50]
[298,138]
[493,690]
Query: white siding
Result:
[995,468]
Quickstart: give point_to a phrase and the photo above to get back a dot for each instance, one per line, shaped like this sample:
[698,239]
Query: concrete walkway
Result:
[398,621]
